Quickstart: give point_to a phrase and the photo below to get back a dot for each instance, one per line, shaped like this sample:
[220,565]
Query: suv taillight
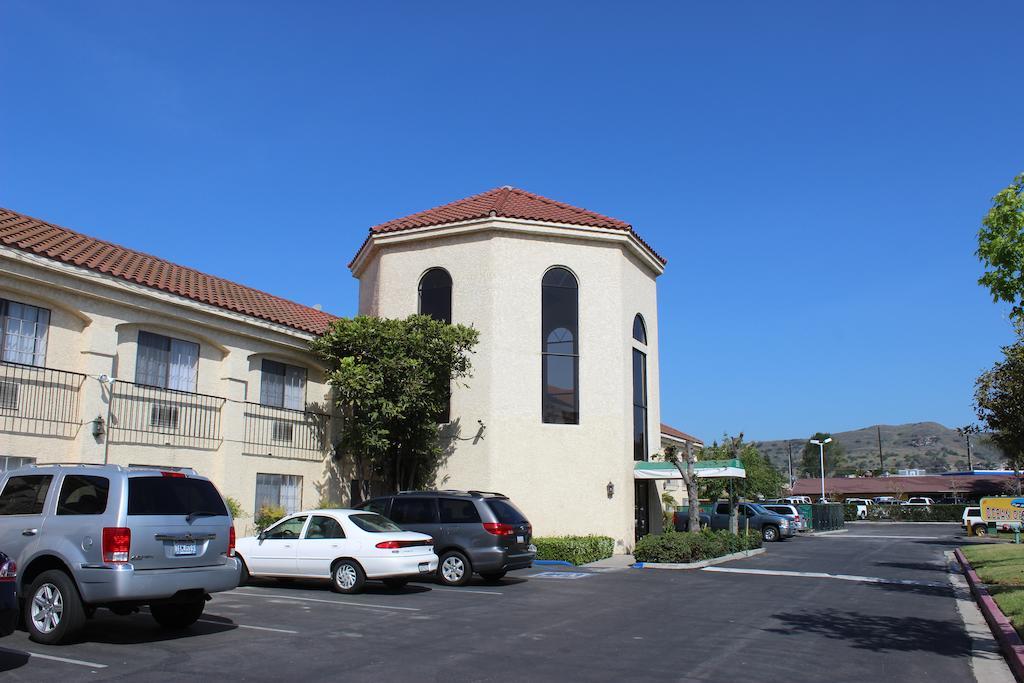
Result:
[117,541]
[499,529]
[8,570]
[231,541]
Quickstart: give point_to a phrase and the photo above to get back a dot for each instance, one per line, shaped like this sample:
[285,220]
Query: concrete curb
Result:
[826,533]
[1002,629]
[699,565]
[557,563]
[898,521]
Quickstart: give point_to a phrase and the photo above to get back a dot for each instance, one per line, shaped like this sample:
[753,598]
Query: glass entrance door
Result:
[641,505]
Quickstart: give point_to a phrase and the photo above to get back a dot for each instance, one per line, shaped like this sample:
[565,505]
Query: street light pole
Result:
[821,455]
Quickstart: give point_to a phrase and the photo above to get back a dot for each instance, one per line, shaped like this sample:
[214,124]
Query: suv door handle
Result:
[29,532]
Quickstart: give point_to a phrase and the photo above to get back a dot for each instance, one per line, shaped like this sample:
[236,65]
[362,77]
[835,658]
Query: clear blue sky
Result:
[815,172]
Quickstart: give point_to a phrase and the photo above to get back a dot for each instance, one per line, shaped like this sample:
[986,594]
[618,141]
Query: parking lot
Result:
[885,611]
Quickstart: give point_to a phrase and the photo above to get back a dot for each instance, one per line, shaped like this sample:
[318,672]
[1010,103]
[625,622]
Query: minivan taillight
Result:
[231,541]
[117,541]
[499,529]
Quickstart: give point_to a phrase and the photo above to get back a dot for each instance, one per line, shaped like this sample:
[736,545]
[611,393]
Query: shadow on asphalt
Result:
[377,588]
[111,629]
[916,566]
[10,659]
[879,634]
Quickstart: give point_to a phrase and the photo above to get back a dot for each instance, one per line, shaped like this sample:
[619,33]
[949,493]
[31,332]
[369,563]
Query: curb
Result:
[557,563]
[897,521]
[826,533]
[1009,642]
[699,565]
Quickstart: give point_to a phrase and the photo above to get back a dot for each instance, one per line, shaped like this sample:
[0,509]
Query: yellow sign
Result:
[1002,509]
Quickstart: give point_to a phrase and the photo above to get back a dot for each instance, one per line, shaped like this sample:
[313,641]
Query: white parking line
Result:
[79,662]
[823,575]
[465,590]
[274,596]
[256,628]
[924,538]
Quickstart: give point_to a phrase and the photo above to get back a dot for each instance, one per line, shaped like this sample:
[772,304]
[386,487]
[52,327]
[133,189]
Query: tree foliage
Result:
[391,379]
[1001,247]
[762,480]
[810,457]
[999,402]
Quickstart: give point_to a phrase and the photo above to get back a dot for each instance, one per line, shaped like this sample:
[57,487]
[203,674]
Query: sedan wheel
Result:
[348,577]
[454,569]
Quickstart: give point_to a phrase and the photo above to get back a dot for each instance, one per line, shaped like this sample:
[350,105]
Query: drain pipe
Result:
[109,382]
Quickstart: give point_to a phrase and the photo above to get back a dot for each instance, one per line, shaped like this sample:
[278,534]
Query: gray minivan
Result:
[88,536]
[473,531]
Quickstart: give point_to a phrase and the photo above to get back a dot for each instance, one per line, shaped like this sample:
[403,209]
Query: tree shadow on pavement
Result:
[879,633]
[916,566]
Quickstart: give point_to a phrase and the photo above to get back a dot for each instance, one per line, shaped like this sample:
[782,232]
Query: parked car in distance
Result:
[886,500]
[88,536]
[795,500]
[475,531]
[8,597]
[346,546]
[862,506]
[972,521]
[919,501]
[773,526]
[790,512]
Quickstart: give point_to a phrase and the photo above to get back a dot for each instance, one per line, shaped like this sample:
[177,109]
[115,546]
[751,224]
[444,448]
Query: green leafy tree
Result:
[762,480]
[1001,247]
[810,458]
[999,402]
[391,379]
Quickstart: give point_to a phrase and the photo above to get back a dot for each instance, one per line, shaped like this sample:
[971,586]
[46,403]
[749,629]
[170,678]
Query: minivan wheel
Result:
[54,613]
[492,577]
[347,577]
[454,569]
[770,534]
[178,615]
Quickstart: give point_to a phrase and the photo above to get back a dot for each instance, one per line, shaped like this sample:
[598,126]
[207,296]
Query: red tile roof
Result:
[508,202]
[907,486]
[53,241]
[673,432]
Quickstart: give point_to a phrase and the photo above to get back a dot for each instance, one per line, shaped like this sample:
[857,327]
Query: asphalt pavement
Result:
[873,604]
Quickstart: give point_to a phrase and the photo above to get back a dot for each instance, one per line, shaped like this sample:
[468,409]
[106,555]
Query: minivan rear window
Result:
[173,496]
[505,511]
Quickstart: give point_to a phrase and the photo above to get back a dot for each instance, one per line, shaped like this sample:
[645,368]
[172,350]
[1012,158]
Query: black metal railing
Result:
[148,415]
[39,401]
[285,433]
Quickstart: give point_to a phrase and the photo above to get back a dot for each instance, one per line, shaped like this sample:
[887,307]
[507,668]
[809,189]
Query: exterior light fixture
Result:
[611,489]
[821,453]
[97,426]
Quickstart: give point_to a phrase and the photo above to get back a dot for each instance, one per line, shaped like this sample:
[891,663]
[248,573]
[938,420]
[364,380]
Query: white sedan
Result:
[346,546]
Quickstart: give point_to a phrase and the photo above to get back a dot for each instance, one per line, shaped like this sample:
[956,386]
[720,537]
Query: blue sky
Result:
[815,172]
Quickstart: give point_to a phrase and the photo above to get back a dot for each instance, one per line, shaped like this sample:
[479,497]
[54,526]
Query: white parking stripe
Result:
[79,662]
[823,575]
[465,590]
[257,628]
[274,596]
[924,538]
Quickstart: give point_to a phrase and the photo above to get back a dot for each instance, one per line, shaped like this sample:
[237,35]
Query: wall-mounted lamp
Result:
[97,426]
[611,489]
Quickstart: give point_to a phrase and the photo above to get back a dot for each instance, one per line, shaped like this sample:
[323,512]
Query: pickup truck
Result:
[773,527]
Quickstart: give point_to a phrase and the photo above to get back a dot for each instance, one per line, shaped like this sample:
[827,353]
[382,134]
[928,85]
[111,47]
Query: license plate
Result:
[424,567]
[520,539]
[185,548]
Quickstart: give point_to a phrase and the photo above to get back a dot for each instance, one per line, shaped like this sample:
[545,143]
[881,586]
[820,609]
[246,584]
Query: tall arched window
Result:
[639,391]
[560,347]
[436,295]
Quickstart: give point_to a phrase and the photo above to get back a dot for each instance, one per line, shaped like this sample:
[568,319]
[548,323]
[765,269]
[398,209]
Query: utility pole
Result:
[966,432]
[881,461]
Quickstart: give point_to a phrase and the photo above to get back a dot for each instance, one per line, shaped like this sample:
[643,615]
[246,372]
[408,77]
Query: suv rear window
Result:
[173,496]
[505,511]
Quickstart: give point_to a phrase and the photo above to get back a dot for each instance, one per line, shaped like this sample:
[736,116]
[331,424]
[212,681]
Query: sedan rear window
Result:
[505,511]
[375,524]
[173,496]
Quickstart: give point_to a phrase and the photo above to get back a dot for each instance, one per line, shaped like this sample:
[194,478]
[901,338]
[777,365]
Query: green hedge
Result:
[687,547]
[575,549]
[908,513]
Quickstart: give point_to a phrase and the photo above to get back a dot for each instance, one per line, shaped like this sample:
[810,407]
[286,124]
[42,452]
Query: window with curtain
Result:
[639,405]
[166,362]
[24,332]
[283,386]
[639,329]
[560,361]
[279,490]
[436,295]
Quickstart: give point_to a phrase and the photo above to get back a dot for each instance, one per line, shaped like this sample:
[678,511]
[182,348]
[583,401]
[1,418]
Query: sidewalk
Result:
[613,562]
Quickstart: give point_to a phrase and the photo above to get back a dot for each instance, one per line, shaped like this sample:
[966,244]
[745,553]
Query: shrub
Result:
[234,507]
[684,548]
[575,549]
[267,515]
[909,513]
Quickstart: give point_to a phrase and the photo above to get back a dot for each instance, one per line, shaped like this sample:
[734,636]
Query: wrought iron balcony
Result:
[285,433]
[39,401]
[154,416]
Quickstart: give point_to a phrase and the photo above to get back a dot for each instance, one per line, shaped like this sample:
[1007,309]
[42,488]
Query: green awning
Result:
[705,469]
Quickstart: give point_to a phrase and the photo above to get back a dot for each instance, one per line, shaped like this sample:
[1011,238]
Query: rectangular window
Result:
[9,392]
[560,379]
[458,511]
[283,386]
[25,495]
[13,462]
[83,495]
[166,362]
[413,510]
[279,490]
[24,332]
[173,496]
[639,405]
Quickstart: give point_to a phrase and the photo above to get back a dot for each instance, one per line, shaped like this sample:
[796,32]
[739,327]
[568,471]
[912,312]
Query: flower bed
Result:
[683,548]
[574,549]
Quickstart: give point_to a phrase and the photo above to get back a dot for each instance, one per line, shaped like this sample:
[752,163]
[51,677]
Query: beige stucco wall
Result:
[93,330]
[558,474]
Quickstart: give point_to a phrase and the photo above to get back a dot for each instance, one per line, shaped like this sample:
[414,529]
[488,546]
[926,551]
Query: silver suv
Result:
[88,536]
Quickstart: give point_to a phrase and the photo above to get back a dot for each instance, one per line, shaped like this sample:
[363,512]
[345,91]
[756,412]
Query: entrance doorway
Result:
[641,507]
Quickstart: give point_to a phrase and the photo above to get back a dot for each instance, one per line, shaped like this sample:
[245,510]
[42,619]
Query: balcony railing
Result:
[39,401]
[285,433]
[153,416]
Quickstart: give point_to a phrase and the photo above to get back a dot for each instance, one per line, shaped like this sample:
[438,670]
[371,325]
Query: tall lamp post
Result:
[821,453]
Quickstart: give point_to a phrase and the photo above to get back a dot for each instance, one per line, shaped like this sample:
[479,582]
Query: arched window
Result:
[560,347]
[639,329]
[436,294]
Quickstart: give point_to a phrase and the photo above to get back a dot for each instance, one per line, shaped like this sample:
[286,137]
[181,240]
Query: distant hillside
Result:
[923,445]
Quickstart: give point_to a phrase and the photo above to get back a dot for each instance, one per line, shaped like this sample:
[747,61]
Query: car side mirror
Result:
[262,536]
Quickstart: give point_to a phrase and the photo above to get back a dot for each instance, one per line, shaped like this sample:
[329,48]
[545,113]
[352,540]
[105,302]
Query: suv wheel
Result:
[981,529]
[178,615]
[347,577]
[454,569]
[55,612]
[770,534]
